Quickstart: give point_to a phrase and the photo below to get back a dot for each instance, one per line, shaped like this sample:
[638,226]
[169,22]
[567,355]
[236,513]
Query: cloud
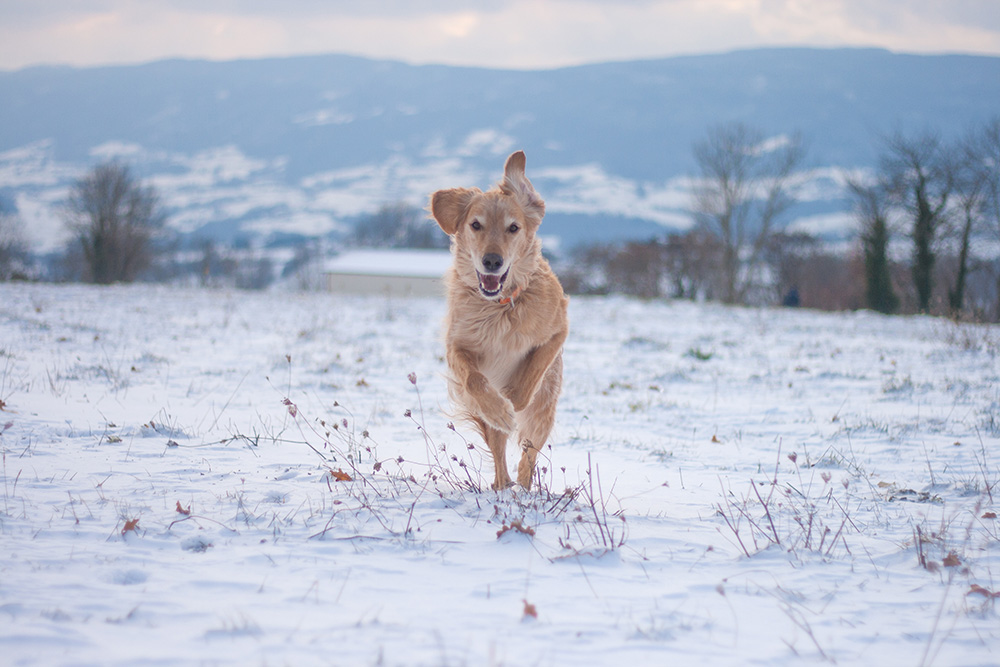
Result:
[500,33]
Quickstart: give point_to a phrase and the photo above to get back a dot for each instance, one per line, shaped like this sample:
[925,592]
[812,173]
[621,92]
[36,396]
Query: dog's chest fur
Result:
[497,335]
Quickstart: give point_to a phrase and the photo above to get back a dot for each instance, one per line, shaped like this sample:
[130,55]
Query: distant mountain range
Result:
[278,148]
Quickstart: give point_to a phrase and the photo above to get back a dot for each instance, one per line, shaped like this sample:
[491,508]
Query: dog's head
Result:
[493,233]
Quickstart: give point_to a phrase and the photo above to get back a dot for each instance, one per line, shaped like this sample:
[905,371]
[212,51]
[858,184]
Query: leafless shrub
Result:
[393,491]
[398,225]
[788,515]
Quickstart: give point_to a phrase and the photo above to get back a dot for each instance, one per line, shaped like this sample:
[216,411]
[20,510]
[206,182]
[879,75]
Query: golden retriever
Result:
[506,321]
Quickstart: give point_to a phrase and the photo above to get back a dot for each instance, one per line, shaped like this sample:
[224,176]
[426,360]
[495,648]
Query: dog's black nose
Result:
[492,262]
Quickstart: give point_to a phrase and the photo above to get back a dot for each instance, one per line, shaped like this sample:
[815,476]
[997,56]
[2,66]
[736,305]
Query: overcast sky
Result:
[497,33]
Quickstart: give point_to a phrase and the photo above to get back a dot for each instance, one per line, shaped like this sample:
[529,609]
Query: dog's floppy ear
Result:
[516,184]
[449,207]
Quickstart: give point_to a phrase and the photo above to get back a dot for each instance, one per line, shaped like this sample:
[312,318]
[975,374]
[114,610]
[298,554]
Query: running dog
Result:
[506,321]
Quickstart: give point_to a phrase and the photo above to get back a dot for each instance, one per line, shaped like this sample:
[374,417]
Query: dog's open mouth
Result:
[490,284]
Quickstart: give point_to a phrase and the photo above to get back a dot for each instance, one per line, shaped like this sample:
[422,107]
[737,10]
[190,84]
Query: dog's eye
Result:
[476,225]
[513,229]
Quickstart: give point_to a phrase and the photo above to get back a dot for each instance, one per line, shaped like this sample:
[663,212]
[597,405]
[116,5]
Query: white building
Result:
[392,272]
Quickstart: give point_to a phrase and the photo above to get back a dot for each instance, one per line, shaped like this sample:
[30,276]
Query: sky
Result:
[518,34]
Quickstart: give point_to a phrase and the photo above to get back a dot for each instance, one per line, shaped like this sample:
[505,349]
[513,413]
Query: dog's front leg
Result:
[531,370]
[496,410]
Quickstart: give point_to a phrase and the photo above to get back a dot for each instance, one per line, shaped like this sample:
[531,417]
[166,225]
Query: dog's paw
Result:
[499,413]
[501,480]
[495,409]
[518,397]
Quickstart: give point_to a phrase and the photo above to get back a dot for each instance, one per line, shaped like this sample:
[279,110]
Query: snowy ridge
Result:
[257,149]
[241,478]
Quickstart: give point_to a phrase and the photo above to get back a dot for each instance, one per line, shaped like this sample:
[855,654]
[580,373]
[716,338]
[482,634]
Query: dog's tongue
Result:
[490,282]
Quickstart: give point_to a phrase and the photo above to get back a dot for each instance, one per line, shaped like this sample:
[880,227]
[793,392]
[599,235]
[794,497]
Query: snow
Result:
[215,420]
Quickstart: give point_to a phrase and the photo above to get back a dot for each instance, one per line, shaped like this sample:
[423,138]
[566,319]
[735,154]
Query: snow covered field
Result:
[195,477]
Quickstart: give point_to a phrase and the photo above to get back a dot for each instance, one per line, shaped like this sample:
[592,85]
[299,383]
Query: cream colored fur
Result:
[504,349]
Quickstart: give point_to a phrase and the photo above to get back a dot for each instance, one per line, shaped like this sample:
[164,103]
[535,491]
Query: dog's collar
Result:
[510,299]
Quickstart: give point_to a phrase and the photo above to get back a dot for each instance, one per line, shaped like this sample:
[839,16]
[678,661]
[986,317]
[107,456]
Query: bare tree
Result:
[13,248]
[743,191]
[921,181]
[972,175]
[872,208]
[988,149]
[113,217]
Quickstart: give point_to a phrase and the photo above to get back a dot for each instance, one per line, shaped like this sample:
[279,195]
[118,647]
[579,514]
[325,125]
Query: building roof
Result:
[410,263]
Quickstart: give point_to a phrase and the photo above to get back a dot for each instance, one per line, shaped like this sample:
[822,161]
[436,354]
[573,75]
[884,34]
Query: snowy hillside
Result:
[306,145]
[251,478]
